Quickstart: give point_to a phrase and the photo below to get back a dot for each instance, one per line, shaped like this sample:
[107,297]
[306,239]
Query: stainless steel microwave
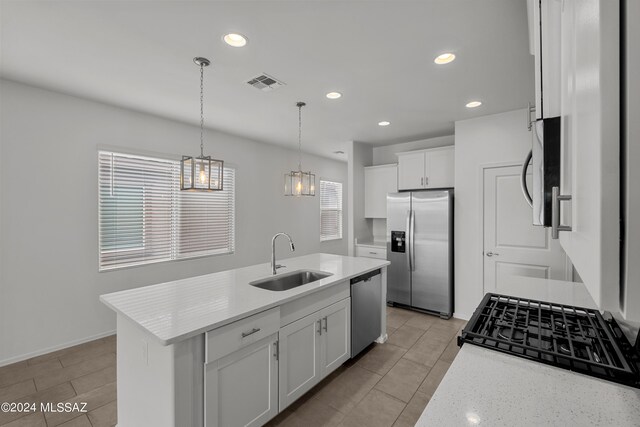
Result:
[544,159]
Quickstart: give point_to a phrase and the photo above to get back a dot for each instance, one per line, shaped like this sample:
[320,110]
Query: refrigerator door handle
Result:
[408,239]
[412,232]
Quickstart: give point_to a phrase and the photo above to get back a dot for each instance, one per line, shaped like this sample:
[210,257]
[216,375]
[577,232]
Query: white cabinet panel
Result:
[433,168]
[440,169]
[378,181]
[590,145]
[241,389]
[411,168]
[299,358]
[371,252]
[336,335]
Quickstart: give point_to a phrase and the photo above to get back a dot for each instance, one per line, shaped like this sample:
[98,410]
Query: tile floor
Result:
[83,373]
[388,385]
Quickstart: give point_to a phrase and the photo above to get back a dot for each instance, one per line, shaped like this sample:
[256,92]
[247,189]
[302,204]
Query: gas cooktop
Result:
[575,338]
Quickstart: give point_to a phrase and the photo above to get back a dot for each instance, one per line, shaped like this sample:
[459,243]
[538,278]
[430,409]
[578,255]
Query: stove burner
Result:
[518,334]
[573,338]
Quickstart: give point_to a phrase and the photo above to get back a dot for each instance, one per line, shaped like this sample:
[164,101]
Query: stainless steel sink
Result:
[291,280]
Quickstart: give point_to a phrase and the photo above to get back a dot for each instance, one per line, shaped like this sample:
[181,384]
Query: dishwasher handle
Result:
[366,276]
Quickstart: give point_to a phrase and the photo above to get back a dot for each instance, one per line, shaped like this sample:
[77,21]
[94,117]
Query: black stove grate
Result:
[574,338]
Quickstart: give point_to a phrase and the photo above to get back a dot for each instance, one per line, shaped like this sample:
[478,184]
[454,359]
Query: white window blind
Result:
[330,210]
[143,217]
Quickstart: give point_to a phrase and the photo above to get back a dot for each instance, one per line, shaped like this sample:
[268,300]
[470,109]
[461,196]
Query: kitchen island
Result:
[215,350]
[486,387]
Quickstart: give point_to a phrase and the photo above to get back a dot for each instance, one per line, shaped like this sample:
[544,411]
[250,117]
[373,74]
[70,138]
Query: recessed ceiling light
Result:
[235,39]
[384,123]
[334,95]
[473,104]
[445,58]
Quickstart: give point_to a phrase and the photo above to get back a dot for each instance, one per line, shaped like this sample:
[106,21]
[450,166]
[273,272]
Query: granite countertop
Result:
[177,310]
[486,387]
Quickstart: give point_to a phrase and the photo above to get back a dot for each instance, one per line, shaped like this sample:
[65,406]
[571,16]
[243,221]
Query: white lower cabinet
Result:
[311,348]
[241,389]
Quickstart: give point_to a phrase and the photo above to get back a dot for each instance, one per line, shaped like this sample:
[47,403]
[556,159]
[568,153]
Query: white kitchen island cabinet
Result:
[215,351]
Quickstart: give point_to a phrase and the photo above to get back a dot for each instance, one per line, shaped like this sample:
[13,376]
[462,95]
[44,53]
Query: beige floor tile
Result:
[405,336]
[75,371]
[451,351]
[345,391]
[425,351]
[87,353]
[104,416]
[381,358]
[398,317]
[17,390]
[24,372]
[86,347]
[390,330]
[421,321]
[403,379]
[94,399]
[377,409]
[432,381]
[35,419]
[280,419]
[13,367]
[94,380]
[314,412]
[81,421]
[59,393]
[413,410]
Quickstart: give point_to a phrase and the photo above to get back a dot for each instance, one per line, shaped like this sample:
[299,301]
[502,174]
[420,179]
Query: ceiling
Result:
[378,54]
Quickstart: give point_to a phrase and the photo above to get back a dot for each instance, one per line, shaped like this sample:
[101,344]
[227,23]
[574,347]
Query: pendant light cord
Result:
[300,137]
[201,110]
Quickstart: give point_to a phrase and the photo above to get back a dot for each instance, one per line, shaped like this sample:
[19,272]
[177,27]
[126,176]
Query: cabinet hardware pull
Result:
[490,254]
[320,326]
[422,182]
[276,350]
[372,253]
[556,198]
[426,181]
[251,332]
[326,326]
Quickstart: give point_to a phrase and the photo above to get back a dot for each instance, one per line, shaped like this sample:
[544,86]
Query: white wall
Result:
[497,138]
[387,153]
[50,282]
[359,155]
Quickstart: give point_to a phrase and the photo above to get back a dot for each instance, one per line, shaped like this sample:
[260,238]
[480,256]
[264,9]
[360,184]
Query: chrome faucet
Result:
[274,266]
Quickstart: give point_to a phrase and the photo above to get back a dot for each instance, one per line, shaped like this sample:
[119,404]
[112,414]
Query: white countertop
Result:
[181,309]
[486,387]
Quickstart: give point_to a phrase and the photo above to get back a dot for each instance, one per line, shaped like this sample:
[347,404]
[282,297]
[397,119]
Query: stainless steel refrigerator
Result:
[420,248]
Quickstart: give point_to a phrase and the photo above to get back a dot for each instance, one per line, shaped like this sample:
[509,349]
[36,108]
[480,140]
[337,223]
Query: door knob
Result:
[492,254]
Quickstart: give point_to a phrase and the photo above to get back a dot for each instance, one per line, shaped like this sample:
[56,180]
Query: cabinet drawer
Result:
[229,338]
[371,252]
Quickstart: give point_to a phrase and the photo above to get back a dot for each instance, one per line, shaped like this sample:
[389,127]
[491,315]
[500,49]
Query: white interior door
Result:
[512,245]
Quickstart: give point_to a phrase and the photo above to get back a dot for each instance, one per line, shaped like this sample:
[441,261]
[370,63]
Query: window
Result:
[143,217]
[330,210]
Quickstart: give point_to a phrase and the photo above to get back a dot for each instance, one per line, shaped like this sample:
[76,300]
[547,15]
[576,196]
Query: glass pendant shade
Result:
[298,183]
[201,173]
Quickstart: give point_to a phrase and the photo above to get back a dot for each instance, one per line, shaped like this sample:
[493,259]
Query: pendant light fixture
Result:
[298,183]
[201,173]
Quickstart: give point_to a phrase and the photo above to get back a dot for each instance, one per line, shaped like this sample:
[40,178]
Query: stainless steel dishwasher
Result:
[366,310]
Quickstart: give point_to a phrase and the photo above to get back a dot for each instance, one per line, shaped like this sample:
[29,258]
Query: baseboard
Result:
[54,348]
[461,316]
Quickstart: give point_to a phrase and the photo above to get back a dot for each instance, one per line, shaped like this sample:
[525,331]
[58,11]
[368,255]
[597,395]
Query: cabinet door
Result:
[299,354]
[378,181]
[411,167]
[241,389]
[336,335]
[440,168]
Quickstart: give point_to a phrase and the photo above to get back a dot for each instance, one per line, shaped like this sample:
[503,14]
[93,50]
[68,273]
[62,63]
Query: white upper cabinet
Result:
[544,34]
[424,169]
[378,181]
[590,144]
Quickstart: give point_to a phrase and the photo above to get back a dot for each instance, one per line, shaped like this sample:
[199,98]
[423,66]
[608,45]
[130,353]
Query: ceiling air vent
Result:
[265,82]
